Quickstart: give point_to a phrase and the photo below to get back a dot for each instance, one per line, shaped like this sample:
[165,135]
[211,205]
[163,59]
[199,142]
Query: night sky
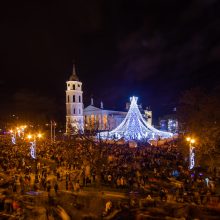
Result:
[151,49]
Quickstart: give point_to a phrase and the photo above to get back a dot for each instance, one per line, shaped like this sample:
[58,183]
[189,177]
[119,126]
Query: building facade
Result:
[94,118]
[169,123]
[101,119]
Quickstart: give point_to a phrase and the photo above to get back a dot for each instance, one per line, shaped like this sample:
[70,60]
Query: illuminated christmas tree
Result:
[134,127]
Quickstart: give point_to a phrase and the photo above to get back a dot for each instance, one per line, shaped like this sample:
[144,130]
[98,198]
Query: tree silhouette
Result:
[199,116]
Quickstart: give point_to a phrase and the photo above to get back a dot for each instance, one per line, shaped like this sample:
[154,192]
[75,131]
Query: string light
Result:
[33,149]
[13,139]
[191,152]
[134,127]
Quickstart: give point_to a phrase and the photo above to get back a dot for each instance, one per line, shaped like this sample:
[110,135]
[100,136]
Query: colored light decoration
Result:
[33,144]
[13,137]
[191,152]
[134,127]
[33,151]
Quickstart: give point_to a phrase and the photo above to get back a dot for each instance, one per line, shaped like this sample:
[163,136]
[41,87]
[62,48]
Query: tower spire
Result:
[74,77]
[74,69]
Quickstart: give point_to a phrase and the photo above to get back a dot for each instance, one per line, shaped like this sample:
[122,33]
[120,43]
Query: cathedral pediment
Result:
[91,108]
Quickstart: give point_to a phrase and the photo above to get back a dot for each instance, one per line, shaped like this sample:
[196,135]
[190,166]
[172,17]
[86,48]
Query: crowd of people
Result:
[150,171]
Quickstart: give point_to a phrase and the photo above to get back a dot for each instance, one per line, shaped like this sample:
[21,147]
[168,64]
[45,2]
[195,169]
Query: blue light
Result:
[134,127]
[13,139]
[33,149]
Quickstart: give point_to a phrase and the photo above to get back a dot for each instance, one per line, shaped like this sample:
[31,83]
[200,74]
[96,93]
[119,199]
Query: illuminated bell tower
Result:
[74,104]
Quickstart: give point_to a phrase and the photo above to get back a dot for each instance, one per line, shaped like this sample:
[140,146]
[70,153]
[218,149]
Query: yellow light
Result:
[18,130]
[39,135]
[192,141]
[188,138]
[11,131]
[29,136]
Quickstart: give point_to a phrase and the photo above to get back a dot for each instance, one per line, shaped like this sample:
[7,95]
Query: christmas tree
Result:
[134,127]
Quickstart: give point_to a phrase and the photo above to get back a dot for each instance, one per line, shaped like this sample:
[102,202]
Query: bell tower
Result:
[74,104]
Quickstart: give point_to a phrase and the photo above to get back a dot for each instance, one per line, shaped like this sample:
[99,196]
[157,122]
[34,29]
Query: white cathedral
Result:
[79,118]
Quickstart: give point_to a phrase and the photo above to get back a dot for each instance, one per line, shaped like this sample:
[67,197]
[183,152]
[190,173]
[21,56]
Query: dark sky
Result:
[152,49]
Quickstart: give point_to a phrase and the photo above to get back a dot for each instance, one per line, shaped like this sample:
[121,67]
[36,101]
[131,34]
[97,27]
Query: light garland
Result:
[33,149]
[134,127]
[191,157]
[13,139]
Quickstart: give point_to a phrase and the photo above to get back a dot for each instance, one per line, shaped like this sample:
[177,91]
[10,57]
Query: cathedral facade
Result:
[94,118]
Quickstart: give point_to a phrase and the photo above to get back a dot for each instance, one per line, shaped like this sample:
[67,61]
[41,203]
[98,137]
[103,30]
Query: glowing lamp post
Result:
[191,152]
[19,131]
[32,139]
[22,128]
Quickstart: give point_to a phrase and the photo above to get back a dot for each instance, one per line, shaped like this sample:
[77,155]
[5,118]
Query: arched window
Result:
[74,111]
[74,87]
[79,98]
[79,111]
[74,98]
[68,99]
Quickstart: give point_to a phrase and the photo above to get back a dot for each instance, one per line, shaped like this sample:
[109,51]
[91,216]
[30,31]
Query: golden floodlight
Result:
[192,141]
[39,135]
[188,138]
[29,136]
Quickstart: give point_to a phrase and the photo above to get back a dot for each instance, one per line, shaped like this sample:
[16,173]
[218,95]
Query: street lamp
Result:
[52,131]
[18,131]
[22,128]
[32,139]
[191,152]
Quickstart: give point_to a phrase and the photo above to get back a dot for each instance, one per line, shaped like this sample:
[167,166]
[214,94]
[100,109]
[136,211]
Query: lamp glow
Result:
[191,152]
[192,141]
[188,138]
[39,135]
